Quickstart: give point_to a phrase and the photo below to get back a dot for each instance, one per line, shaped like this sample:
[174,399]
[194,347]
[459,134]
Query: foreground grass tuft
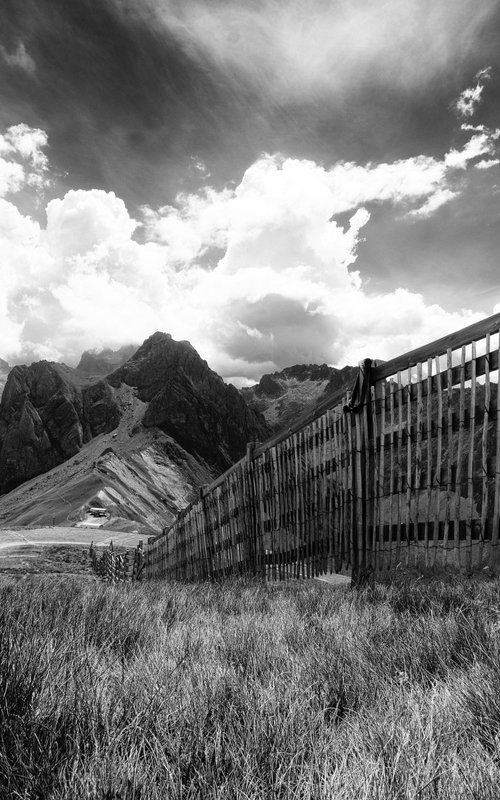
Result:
[245,691]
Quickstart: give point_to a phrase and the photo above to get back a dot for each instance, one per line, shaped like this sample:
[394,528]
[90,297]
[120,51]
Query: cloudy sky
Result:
[278,181]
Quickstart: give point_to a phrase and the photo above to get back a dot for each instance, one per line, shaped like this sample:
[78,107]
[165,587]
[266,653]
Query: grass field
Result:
[245,691]
[45,559]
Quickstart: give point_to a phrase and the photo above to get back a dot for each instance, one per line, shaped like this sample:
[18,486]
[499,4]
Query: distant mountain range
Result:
[283,397]
[135,430]
[100,363]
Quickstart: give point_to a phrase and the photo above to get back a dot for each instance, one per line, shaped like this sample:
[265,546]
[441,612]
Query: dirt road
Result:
[24,537]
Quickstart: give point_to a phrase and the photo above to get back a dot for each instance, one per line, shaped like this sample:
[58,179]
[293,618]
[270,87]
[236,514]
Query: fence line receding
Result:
[404,470]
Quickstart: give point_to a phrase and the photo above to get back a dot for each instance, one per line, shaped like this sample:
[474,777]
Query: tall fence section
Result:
[402,470]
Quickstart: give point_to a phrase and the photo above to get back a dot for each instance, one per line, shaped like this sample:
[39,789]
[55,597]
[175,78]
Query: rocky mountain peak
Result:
[100,363]
[49,411]
[189,401]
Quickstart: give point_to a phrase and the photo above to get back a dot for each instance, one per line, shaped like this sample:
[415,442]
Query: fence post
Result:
[207,544]
[362,474]
[140,561]
[256,538]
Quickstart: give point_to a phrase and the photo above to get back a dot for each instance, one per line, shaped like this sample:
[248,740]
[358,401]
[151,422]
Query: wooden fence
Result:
[114,567]
[403,470]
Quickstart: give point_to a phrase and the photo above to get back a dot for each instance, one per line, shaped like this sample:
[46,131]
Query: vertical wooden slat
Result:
[484,449]
[350,452]
[379,433]
[295,511]
[330,522]
[408,467]
[312,481]
[449,460]
[358,493]
[418,459]
[275,488]
[285,453]
[306,488]
[388,556]
[460,445]
[439,458]
[429,459]
[470,461]
[375,474]
[367,486]
[322,531]
[337,496]
[306,523]
[341,556]
[399,450]
[496,504]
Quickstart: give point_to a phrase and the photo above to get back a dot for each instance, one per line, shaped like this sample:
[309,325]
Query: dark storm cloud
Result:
[123,107]
[130,92]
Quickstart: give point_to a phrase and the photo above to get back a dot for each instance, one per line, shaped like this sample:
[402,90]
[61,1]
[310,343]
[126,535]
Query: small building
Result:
[97,511]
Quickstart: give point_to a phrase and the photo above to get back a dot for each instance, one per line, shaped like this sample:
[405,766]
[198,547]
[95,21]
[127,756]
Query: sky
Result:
[276,181]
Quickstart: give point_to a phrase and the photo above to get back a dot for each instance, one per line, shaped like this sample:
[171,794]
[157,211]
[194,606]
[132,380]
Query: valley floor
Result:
[243,691]
[61,551]
[11,537]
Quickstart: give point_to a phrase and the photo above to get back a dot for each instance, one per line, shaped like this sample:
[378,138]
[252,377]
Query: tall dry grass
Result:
[245,691]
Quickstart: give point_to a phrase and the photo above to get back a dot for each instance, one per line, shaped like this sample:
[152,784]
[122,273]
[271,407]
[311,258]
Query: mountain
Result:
[283,397]
[190,402]
[4,371]
[46,415]
[100,363]
[138,442]
[141,477]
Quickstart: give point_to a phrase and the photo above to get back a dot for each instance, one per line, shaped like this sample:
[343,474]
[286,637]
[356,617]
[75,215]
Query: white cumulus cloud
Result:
[22,159]
[284,288]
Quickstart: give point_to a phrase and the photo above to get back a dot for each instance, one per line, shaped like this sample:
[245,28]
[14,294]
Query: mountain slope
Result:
[141,477]
[138,443]
[283,397]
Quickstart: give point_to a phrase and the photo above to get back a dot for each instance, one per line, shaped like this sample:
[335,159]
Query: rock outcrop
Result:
[45,417]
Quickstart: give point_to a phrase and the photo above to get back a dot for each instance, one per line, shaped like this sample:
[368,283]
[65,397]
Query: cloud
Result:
[435,201]
[21,143]
[188,229]
[288,48]
[487,163]
[478,145]
[19,59]
[470,98]
[284,288]
[82,220]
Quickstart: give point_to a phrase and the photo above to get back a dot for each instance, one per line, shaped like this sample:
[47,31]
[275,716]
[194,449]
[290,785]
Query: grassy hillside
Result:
[245,691]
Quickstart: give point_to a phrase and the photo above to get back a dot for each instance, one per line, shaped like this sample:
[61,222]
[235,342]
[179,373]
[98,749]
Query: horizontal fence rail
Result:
[404,470]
